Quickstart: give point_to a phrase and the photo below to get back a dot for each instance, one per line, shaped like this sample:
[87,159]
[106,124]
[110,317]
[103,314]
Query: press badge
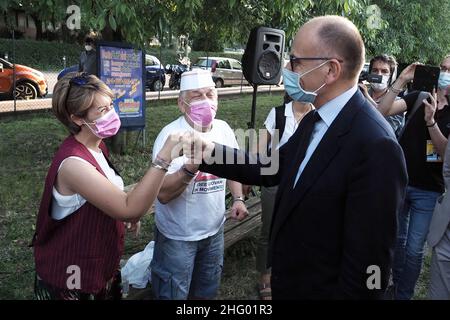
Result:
[432,155]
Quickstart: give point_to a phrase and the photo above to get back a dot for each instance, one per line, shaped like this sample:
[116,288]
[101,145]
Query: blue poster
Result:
[121,68]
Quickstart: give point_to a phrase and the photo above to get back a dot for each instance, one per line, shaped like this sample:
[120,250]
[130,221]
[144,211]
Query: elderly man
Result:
[188,256]
[342,175]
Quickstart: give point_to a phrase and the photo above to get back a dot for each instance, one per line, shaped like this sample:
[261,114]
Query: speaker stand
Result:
[251,124]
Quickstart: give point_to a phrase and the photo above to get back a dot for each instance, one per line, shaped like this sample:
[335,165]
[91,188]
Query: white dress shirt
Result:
[328,112]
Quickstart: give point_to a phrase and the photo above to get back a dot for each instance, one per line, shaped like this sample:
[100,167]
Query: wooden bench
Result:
[234,231]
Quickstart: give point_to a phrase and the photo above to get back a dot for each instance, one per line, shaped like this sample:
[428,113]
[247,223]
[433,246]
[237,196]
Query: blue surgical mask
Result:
[294,89]
[444,80]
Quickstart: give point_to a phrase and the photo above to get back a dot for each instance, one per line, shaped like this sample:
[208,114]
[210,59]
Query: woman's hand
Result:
[407,74]
[430,108]
[172,148]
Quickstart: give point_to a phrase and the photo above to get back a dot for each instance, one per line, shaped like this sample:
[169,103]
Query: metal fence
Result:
[27,78]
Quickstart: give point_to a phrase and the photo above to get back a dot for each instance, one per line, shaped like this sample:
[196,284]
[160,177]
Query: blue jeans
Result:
[187,269]
[413,224]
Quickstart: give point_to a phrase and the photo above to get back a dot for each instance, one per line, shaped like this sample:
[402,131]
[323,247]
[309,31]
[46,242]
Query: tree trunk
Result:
[38,24]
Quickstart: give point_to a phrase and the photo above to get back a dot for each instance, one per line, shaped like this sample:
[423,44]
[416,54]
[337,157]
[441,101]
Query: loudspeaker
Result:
[263,56]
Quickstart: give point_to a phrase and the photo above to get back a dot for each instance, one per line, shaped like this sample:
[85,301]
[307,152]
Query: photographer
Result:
[426,129]
[385,66]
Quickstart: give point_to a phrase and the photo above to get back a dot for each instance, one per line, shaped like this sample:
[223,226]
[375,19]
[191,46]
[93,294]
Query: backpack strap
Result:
[280,119]
[280,122]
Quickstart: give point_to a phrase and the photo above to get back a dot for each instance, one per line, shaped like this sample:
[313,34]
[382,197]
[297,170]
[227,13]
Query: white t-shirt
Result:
[289,128]
[64,205]
[199,211]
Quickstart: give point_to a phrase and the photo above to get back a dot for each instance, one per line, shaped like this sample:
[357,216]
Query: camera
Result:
[370,77]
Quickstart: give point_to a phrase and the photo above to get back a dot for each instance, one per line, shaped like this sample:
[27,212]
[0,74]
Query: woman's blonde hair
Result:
[74,94]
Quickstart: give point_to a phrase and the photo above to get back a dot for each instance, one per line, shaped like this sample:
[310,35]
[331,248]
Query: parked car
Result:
[225,71]
[156,74]
[30,83]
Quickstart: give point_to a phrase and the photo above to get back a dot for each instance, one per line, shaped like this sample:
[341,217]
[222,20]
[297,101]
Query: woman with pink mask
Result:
[80,226]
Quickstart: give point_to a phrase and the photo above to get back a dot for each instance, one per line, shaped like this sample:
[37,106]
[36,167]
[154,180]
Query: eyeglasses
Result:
[293,59]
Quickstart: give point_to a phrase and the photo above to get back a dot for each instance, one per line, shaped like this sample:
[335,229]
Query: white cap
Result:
[196,79]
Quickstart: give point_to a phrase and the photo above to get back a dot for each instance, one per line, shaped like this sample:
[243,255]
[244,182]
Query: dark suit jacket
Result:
[341,217]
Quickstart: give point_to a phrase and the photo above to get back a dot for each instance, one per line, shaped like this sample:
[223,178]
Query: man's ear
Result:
[334,71]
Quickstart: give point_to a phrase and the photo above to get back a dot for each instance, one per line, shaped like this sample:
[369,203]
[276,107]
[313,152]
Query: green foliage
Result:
[414,31]
[42,55]
[46,55]
[409,29]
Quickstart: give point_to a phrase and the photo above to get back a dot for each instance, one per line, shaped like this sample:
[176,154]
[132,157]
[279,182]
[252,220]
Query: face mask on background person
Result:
[444,80]
[381,86]
[106,126]
[294,89]
[201,113]
[88,47]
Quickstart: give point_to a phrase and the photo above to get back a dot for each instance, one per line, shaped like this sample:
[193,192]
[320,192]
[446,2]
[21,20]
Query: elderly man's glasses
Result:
[296,60]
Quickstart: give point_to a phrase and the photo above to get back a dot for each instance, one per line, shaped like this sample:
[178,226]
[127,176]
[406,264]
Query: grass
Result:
[28,143]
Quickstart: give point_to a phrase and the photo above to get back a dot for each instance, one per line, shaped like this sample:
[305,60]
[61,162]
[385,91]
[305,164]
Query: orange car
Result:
[30,83]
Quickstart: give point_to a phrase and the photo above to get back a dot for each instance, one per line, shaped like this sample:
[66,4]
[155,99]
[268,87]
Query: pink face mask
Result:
[202,113]
[106,126]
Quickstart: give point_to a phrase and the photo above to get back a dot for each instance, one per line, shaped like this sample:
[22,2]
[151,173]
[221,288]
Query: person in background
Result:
[423,142]
[88,58]
[79,234]
[280,125]
[439,234]
[190,211]
[385,66]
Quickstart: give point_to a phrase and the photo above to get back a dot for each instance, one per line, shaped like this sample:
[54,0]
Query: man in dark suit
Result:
[342,175]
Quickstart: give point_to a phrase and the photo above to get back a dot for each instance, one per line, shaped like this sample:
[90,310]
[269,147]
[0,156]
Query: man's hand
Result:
[364,90]
[196,148]
[238,210]
[430,108]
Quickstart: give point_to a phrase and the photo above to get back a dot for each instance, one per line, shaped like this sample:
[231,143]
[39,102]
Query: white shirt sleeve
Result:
[270,122]
[230,136]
